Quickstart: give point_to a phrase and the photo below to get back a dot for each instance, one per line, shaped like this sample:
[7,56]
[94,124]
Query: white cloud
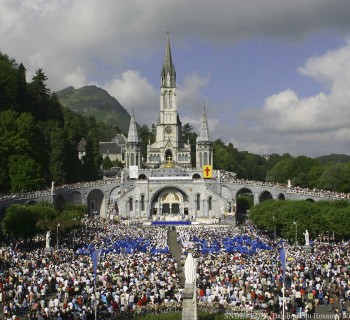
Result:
[80,42]
[134,91]
[313,125]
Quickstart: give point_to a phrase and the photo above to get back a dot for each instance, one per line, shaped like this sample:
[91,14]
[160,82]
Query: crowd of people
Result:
[135,271]
[238,269]
[251,280]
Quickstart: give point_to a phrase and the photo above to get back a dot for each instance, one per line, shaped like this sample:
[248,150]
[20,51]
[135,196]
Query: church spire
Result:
[168,73]
[133,136]
[204,135]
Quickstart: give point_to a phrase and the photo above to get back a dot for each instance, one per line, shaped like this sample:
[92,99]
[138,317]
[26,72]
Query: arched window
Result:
[131,206]
[170,100]
[205,158]
[198,202]
[165,100]
[210,200]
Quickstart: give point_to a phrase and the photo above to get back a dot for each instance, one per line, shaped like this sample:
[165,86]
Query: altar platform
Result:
[171,223]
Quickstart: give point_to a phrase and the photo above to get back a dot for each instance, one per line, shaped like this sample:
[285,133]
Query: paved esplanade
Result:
[175,249]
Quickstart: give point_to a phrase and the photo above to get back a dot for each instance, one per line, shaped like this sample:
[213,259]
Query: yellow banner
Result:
[207,172]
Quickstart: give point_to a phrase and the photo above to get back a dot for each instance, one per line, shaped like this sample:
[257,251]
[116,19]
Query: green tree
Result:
[8,88]
[92,158]
[25,173]
[23,103]
[145,136]
[336,176]
[58,156]
[40,95]
[107,163]
[20,222]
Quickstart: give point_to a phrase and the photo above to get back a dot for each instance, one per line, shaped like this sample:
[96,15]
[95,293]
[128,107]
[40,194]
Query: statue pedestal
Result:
[188,310]
[47,250]
[307,249]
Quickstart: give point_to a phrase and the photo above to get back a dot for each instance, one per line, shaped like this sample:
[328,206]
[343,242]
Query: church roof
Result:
[110,147]
[168,73]
[204,134]
[133,136]
[120,139]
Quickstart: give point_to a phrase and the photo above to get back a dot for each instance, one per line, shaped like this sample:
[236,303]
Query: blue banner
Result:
[95,256]
[283,257]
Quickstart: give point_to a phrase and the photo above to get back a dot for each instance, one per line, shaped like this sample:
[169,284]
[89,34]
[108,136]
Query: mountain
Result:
[342,158]
[94,101]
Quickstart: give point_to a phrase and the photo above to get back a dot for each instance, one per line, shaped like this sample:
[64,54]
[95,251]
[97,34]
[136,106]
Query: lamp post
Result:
[86,222]
[296,233]
[58,225]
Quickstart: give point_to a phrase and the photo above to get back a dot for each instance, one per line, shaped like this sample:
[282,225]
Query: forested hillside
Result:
[38,137]
[96,102]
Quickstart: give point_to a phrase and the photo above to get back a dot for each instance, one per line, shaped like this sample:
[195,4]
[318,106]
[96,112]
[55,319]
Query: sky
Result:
[273,75]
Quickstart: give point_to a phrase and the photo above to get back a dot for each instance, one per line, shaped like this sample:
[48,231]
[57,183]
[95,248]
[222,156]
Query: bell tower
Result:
[168,144]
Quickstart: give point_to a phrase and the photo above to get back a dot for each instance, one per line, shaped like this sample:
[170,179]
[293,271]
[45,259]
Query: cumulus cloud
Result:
[82,42]
[133,90]
[100,36]
[317,124]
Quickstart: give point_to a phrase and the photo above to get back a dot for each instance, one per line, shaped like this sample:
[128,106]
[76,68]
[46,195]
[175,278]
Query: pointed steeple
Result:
[168,73]
[133,136]
[204,135]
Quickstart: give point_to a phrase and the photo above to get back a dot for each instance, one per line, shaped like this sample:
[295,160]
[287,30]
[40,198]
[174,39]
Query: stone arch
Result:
[142,176]
[96,203]
[175,198]
[244,201]
[281,196]
[168,155]
[75,197]
[196,176]
[310,200]
[265,195]
[114,194]
[60,202]
[31,201]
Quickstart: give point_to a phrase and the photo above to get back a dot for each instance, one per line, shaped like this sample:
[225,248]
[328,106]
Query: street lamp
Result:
[296,233]
[58,225]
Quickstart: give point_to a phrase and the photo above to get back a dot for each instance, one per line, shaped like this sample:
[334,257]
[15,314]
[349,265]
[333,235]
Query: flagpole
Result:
[195,297]
[95,306]
[283,256]
[283,300]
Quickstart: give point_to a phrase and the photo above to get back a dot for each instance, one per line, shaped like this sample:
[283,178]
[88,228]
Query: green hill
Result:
[94,101]
[342,158]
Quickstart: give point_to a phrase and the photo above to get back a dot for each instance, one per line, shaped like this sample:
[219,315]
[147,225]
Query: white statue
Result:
[48,239]
[190,269]
[289,184]
[307,239]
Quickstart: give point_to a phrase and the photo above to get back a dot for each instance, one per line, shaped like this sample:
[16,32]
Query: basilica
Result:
[165,184]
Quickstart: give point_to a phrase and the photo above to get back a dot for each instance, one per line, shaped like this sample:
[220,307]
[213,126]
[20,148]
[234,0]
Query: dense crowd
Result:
[237,270]
[135,270]
[251,280]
